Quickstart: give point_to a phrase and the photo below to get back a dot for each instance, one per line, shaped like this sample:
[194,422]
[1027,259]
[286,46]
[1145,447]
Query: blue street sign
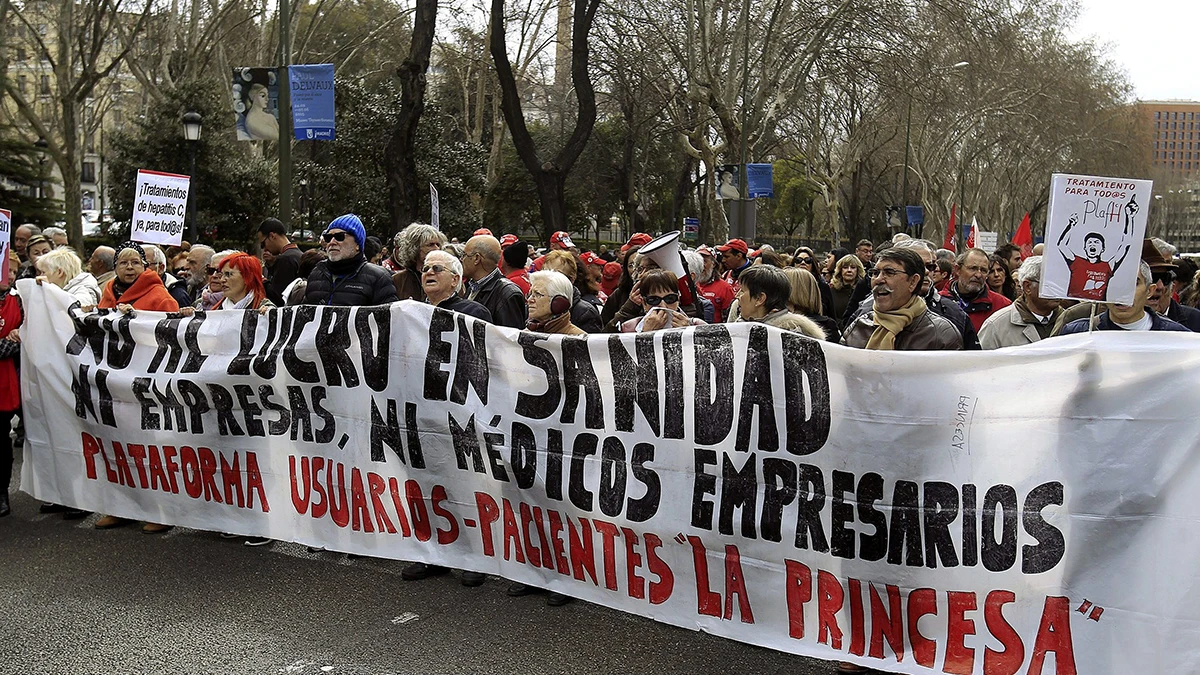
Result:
[312,101]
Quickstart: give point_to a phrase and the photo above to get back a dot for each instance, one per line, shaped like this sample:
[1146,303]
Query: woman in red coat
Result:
[135,287]
[10,386]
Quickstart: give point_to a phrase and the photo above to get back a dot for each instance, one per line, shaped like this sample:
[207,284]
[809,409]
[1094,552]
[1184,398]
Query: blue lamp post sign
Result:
[312,101]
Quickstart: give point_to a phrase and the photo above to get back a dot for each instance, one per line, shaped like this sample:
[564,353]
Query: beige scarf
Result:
[890,324]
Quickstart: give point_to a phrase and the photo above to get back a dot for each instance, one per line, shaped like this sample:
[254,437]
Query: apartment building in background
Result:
[1175,127]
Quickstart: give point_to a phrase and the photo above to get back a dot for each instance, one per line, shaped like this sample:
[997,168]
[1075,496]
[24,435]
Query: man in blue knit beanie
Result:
[346,278]
[352,225]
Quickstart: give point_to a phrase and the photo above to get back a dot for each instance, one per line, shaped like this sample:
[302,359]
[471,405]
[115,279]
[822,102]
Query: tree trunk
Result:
[403,192]
[548,175]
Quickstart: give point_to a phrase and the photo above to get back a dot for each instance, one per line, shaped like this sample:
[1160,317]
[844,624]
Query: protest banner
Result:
[311,88]
[1094,233]
[732,478]
[988,241]
[5,238]
[159,207]
[256,103]
[435,208]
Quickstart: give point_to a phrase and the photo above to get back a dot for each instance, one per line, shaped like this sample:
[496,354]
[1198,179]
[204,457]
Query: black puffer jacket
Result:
[349,282]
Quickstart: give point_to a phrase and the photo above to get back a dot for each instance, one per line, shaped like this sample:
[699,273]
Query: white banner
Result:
[159,207]
[1094,232]
[913,512]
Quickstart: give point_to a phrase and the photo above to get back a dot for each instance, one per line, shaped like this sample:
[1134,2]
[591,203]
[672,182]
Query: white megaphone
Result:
[664,251]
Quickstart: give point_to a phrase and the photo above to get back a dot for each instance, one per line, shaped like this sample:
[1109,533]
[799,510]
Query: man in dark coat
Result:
[346,278]
[487,286]
[273,238]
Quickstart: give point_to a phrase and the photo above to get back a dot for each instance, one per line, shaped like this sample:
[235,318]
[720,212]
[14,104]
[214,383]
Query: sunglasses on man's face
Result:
[1164,278]
[435,268]
[211,270]
[656,300]
[330,236]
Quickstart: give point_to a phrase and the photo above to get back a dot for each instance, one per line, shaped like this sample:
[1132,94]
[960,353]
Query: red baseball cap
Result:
[612,270]
[483,230]
[562,238]
[735,245]
[508,240]
[638,239]
[592,259]
[705,250]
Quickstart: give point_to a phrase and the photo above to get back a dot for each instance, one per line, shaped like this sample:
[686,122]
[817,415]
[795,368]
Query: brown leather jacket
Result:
[928,331]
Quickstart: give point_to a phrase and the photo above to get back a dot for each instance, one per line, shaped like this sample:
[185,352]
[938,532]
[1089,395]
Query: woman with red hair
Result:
[244,287]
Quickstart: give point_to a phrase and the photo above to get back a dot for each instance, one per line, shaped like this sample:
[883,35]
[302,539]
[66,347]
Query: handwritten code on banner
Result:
[916,513]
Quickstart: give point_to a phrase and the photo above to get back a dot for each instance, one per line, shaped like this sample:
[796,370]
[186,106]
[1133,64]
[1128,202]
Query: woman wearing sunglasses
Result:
[659,295]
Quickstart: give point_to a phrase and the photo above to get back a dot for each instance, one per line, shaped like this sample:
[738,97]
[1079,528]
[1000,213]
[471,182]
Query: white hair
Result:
[52,232]
[915,244]
[154,255]
[899,237]
[695,263]
[408,242]
[60,260]
[1030,270]
[206,251]
[557,283]
[452,262]
[1145,273]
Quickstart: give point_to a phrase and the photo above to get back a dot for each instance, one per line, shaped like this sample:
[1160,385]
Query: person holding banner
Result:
[10,385]
[1129,317]
[63,268]
[244,286]
[441,278]
[549,304]
[346,278]
[763,296]
[135,288]
[899,318]
[659,292]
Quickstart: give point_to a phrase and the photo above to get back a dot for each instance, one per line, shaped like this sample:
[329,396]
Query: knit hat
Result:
[352,224]
[134,246]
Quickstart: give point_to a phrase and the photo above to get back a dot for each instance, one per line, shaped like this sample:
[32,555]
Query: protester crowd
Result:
[902,294]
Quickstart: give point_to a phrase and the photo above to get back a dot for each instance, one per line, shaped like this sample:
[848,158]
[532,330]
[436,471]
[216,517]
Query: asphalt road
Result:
[74,599]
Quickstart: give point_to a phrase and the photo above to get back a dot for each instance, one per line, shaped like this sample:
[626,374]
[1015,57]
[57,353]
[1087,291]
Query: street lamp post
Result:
[908,140]
[41,146]
[192,124]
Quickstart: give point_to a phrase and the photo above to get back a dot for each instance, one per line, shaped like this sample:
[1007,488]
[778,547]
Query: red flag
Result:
[971,232]
[1024,238]
[948,243]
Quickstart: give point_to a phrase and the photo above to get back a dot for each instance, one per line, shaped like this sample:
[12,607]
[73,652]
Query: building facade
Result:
[1175,127]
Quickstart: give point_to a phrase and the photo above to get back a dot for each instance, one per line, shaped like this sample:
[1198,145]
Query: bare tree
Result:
[549,174]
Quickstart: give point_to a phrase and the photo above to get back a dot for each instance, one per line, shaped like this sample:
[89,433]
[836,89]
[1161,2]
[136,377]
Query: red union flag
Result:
[949,242]
[1023,239]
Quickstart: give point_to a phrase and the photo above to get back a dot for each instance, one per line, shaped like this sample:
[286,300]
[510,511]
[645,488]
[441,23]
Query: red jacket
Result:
[147,294]
[979,309]
[720,294]
[10,386]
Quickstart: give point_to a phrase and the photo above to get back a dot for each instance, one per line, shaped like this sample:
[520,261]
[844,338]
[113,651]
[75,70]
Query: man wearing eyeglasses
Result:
[345,278]
[899,318]
[441,279]
[942,306]
[970,290]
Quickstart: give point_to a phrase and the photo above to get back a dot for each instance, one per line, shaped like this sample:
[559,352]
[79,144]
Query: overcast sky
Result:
[1155,41]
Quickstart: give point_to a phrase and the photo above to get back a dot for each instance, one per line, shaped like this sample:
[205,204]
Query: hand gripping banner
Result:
[1016,511]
